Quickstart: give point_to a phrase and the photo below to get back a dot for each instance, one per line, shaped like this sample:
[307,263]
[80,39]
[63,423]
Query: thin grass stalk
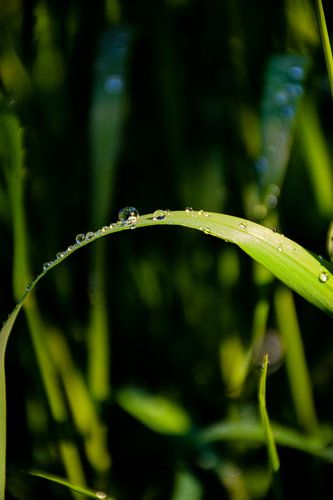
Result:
[273,457]
[325,40]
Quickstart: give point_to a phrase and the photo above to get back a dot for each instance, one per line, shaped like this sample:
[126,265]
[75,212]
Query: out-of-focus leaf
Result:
[156,412]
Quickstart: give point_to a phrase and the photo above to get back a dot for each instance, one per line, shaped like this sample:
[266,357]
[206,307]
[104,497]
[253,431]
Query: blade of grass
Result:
[317,157]
[273,457]
[252,431]
[13,164]
[325,42]
[298,374]
[78,489]
[84,413]
[302,271]
[106,123]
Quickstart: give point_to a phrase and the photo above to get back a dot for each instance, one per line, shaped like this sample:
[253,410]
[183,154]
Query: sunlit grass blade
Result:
[308,275]
[298,374]
[86,419]
[317,157]
[87,492]
[325,42]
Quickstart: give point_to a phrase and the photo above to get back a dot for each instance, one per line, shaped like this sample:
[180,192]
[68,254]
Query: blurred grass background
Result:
[139,343]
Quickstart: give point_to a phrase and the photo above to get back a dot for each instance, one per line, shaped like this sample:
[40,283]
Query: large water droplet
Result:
[159,214]
[60,255]
[80,238]
[243,225]
[323,277]
[105,229]
[100,494]
[47,265]
[128,215]
[188,209]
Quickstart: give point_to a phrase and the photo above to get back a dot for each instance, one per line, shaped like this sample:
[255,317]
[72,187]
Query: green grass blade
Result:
[251,431]
[269,437]
[273,457]
[4,335]
[87,492]
[317,157]
[298,374]
[308,275]
[325,42]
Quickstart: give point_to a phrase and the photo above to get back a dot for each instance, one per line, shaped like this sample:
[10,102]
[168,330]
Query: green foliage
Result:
[133,368]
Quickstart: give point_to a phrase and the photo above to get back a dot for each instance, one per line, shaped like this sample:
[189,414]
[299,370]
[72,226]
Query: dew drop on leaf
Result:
[128,215]
[159,215]
[46,265]
[323,277]
[100,494]
[80,238]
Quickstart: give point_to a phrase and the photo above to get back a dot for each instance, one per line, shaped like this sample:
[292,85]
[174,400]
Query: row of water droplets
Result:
[127,217]
[160,215]
[323,275]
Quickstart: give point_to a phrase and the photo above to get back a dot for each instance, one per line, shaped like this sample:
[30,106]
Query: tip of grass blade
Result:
[87,492]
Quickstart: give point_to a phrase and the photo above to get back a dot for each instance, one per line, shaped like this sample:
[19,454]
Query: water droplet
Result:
[70,248]
[207,230]
[89,235]
[242,225]
[105,229]
[60,255]
[47,265]
[112,226]
[280,249]
[188,209]
[159,214]
[323,277]
[128,215]
[29,286]
[100,494]
[80,238]
[202,212]
[274,229]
